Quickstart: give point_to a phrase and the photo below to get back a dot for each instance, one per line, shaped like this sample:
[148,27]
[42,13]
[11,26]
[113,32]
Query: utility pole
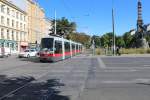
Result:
[55,22]
[113,27]
[36,23]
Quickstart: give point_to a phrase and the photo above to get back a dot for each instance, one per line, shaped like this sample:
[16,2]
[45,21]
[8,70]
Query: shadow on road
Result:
[48,90]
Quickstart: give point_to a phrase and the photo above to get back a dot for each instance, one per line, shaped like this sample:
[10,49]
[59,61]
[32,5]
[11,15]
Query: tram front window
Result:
[47,44]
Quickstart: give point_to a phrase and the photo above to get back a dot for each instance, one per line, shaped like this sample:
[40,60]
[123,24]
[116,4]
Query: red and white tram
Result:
[54,48]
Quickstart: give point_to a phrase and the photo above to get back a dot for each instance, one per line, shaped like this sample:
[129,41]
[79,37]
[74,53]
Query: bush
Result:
[135,51]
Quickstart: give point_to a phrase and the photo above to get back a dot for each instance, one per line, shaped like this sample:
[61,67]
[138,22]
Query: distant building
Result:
[48,27]
[38,24]
[132,32]
[13,27]
[139,20]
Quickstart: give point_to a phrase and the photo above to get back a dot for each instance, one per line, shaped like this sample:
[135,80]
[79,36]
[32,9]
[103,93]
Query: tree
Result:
[128,39]
[82,38]
[96,40]
[64,27]
[107,40]
[120,41]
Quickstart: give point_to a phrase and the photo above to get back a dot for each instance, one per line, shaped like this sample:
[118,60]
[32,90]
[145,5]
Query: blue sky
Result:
[94,16]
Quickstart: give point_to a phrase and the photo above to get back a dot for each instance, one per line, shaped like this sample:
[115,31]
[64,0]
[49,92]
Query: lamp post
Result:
[113,28]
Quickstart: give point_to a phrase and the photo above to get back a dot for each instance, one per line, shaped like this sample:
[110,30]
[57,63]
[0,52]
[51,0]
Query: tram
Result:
[55,48]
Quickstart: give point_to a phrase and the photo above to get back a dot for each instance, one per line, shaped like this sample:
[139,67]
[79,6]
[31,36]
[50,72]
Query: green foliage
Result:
[120,41]
[96,40]
[64,27]
[135,51]
[81,38]
[107,40]
[128,39]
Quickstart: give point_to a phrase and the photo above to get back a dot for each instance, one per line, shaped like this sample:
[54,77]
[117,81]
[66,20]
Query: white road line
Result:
[101,63]
[126,82]
[115,70]
[146,65]
[134,68]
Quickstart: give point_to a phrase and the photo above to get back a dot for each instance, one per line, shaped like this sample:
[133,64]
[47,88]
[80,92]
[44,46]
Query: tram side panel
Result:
[58,53]
[73,49]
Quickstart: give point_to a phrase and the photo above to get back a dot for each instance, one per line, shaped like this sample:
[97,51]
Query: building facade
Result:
[13,27]
[48,27]
[36,22]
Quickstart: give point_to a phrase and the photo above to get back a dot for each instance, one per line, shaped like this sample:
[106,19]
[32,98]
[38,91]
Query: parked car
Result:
[5,52]
[28,53]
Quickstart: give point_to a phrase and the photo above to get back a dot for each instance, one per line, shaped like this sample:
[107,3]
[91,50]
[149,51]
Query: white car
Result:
[28,53]
[5,52]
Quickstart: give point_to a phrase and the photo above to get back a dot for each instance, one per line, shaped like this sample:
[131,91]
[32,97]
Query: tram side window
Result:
[58,47]
[67,47]
[77,47]
[73,47]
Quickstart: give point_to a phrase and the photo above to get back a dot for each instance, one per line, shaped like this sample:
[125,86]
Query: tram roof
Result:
[60,38]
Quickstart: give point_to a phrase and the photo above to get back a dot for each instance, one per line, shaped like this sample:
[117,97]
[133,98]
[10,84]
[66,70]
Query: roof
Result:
[9,3]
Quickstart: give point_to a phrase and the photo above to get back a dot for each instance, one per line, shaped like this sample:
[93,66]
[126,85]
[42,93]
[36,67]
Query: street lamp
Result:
[113,28]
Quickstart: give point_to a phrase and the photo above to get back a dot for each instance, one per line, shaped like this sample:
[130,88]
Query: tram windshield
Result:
[47,44]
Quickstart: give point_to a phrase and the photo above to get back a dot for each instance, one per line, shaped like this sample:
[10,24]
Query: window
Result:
[32,50]
[25,36]
[77,47]
[24,27]
[24,18]
[3,8]
[21,16]
[20,36]
[12,35]
[8,45]
[13,13]
[8,11]
[8,23]
[17,46]
[8,34]
[21,26]
[2,20]
[58,47]
[47,43]
[17,36]
[12,23]
[73,47]
[17,15]
[67,47]
[26,51]
[2,33]
[17,25]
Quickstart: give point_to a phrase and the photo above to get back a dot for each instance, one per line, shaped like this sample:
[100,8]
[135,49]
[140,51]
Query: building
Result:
[36,22]
[13,27]
[48,27]
[139,20]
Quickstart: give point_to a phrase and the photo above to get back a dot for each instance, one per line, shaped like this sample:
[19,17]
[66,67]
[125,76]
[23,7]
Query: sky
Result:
[95,16]
[20,3]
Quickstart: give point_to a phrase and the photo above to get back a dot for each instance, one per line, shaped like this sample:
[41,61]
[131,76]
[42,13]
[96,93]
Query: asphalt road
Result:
[80,78]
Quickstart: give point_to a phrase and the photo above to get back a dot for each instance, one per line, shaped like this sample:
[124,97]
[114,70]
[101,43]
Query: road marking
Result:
[112,70]
[116,82]
[142,80]
[134,68]
[146,65]
[127,82]
[101,63]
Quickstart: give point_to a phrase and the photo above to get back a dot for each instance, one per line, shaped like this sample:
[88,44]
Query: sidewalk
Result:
[135,55]
[127,55]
